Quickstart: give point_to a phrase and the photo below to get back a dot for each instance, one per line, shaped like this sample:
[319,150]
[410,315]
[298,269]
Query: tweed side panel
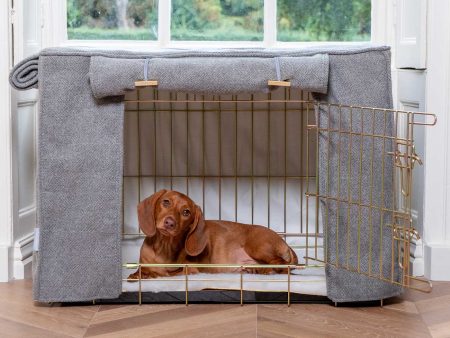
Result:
[357,237]
[80,152]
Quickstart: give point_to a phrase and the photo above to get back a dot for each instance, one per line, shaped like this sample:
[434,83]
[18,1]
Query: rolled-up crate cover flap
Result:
[200,74]
[80,144]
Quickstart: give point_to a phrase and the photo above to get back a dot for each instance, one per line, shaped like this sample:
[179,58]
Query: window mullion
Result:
[270,23]
[164,18]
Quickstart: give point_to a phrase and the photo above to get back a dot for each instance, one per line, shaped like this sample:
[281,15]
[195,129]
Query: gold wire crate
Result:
[254,158]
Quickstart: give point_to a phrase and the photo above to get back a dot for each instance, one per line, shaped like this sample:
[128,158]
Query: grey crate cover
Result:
[80,151]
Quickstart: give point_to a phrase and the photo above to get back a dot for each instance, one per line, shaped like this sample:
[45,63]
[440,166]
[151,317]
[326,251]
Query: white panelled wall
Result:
[27,41]
[437,143]
[418,31]
[411,97]
[23,24]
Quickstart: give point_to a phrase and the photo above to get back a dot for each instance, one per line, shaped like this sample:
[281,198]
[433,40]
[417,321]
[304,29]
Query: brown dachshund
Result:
[176,232]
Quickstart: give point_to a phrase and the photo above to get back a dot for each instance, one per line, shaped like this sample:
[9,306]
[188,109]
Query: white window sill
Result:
[135,45]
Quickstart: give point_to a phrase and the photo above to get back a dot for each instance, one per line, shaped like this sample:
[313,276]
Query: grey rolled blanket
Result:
[25,74]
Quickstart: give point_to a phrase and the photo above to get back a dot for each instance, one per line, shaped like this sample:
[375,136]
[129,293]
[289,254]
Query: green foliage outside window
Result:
[323,20]
[112,19]
[216,20]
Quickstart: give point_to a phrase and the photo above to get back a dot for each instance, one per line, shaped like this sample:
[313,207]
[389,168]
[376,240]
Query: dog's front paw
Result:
[145,274]
[134,277]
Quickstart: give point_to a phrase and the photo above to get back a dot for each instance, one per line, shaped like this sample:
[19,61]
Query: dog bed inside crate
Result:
[217,150]
[81,161]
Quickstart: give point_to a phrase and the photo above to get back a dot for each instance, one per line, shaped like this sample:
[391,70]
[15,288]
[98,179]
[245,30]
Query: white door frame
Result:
[6,182]
[18,111]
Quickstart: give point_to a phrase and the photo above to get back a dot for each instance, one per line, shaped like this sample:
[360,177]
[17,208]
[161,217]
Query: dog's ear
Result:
[146,213]
[196,239]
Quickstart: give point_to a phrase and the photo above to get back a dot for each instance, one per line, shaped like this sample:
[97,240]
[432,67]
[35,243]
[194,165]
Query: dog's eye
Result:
[186,212]
[166,203]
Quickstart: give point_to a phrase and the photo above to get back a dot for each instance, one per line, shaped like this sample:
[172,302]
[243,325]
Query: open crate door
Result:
[363,188]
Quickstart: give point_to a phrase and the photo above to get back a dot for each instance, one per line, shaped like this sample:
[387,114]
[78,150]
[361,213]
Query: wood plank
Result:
[435,313]
[439,289]
[15,329]
[178,320]
[319,319]
[16,305]
[273,328]
[242,327]
[401,305]
[108,313]
[441,330]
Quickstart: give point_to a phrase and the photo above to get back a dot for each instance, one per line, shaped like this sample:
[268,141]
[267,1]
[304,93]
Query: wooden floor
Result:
[413,315]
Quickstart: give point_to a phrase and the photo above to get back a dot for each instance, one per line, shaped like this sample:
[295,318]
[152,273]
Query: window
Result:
[323,20]
[112,20]
[219,20]
[214,20]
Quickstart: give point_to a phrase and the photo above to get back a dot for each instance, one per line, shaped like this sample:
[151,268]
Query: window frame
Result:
[58,23]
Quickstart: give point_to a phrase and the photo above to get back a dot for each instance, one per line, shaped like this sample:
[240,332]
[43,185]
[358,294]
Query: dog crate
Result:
[254,159]
[303,141]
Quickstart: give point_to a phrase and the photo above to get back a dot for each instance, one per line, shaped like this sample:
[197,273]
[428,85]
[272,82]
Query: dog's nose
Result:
[169,223]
